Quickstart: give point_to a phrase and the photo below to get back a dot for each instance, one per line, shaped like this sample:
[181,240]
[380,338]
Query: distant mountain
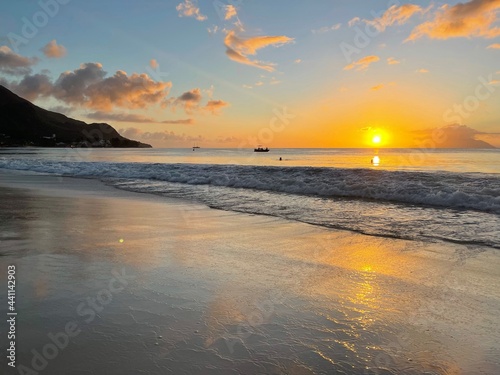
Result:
[24,124]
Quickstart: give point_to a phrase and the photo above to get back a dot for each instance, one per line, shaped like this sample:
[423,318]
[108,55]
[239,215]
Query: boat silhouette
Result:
[261,149]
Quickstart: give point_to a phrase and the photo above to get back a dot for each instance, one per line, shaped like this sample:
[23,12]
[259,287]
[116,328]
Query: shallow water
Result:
[441,195]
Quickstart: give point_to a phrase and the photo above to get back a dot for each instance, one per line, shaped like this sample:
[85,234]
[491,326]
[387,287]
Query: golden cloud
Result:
[395,15]
[362,63]
[54,50]
[238,48]
[475,18]
[189,8]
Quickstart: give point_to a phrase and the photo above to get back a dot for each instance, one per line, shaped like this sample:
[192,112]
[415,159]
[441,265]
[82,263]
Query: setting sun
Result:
[377,139]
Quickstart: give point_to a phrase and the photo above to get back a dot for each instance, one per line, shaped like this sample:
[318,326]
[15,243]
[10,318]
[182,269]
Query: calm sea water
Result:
[423,195]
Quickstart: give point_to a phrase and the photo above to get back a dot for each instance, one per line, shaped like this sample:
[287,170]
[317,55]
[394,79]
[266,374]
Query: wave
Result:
[480,192]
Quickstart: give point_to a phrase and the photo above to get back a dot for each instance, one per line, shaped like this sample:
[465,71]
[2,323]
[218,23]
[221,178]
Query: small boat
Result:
[260,149]
[195,147]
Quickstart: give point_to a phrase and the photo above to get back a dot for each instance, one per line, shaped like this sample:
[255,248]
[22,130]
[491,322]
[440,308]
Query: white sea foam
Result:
[479,192]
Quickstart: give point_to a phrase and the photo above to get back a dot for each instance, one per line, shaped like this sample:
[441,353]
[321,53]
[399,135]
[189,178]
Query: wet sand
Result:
[151,285]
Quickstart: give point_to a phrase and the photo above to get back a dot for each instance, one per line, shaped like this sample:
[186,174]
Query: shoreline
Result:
[235,292]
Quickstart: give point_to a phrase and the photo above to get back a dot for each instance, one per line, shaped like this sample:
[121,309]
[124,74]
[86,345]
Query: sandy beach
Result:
[114,282]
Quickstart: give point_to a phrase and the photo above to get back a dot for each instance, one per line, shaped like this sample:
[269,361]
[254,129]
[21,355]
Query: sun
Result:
[376,139]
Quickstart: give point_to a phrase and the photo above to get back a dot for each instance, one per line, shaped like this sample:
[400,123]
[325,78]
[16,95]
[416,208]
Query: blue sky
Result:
[304,69]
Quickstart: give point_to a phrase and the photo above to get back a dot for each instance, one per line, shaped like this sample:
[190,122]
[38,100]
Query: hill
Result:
[24,124]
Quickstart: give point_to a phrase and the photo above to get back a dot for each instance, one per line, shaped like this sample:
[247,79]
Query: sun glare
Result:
[376,139]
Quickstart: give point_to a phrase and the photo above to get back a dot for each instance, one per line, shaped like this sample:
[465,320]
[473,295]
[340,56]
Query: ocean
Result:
[422,195]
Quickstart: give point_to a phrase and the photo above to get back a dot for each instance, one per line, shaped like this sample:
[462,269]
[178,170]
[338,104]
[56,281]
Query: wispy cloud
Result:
[154,64]
[238,48]
[353,21]
[168,136]
[189,8]
[13,64]
[494,46]
[475,18]
[230,12]
[422,70]
[392,61]
[132,117]
[214,106]
[53,50]
[325,29]
[395,15]
[213,30]
[377,87]
[363,63]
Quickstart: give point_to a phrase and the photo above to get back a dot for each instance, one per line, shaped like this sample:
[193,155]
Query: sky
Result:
[282,73]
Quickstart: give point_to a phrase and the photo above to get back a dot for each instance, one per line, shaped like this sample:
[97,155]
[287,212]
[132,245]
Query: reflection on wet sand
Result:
[219,292]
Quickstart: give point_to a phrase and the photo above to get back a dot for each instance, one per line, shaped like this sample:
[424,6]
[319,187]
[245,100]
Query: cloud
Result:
[119,117]
[325,29]
[494,82]
[230,12]
[189,8]
[494,46]
[455,136]
[354,21]
[131,117]
[475,18]
[377,87]
[362,63]
[88,86]
[214,106]
[154,64]
[395,15]
[191,100]
[170,136]
[62,109]
[237,48]
[422,70]
[392,61]
[53,50]
[297,61]
[213,30]
[188,121]
[13,64]
[32,87]
[227,140]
